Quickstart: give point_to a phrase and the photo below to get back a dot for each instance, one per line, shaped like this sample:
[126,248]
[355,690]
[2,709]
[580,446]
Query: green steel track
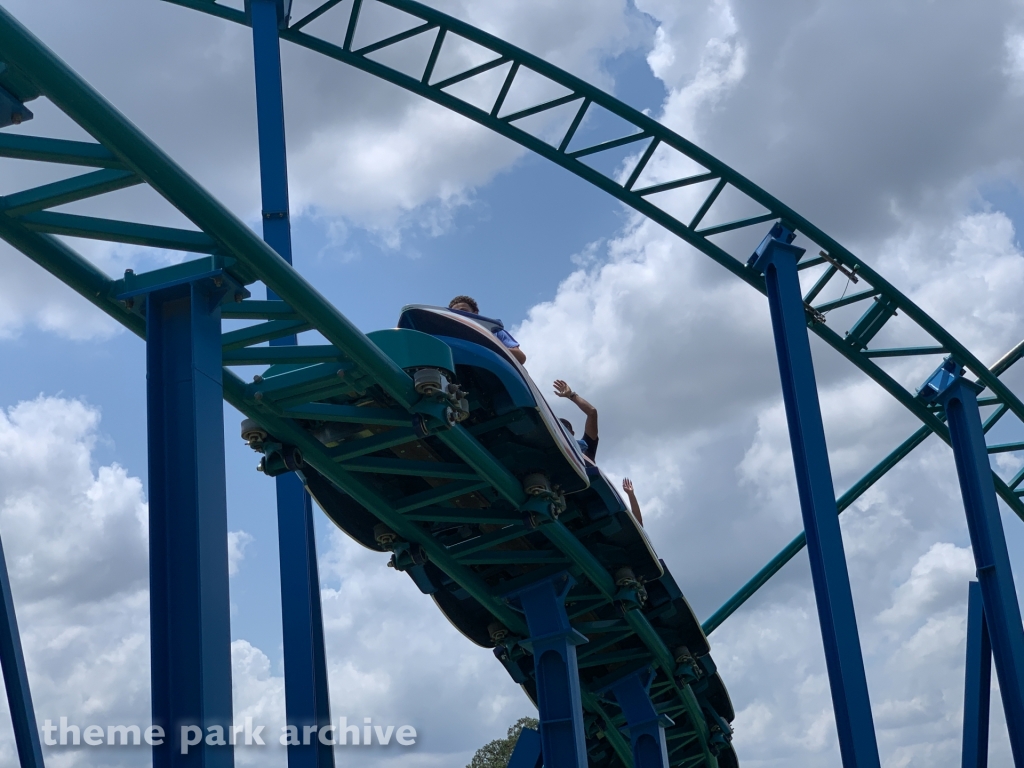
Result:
[122,156]
[830,260]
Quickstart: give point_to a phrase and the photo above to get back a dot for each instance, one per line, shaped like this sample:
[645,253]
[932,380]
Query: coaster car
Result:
[455,358]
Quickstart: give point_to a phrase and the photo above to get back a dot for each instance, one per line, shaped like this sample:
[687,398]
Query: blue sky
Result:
[675,352]
[510,247]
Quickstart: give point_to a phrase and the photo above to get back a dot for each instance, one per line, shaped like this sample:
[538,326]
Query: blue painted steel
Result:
[527,753]
[553,643]
[188,532]
[270,124]
[467,353]
[977,682]
[19,697]
[12,110]
[646,727]
[1002,612]
[307,698]
[776,259]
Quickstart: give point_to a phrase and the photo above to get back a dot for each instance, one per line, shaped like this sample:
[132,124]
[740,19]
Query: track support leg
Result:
[977,682]
[553,643]
[527,753]
[959,397]
[646,727]
[188,532]
[776,259]
[305,665]
[19,697]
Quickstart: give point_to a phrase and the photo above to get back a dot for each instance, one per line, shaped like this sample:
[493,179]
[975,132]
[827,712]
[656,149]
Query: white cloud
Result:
[237,542]
[31,297]
[258,694]
[77,555]
[879,122]
[936,581]
[81,537]
[362,151]
[678,357]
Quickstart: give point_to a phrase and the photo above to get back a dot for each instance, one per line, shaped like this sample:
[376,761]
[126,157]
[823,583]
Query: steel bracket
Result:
[940,380]
[223,287]
[779,236]
[284,12]
[12,110]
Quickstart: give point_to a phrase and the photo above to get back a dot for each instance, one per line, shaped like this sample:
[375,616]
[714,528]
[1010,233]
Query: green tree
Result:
[497,753]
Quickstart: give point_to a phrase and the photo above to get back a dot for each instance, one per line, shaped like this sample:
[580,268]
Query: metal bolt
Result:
[239,297]
[17,117]
[258,397]
[341,374]
[218,281]
[257,379]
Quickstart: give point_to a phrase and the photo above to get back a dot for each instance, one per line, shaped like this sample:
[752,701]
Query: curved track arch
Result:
[883,301]
[125,157]
[232,256]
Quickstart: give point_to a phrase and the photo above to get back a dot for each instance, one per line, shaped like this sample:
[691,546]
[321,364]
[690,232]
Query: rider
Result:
[634,505]
[468,305]
[589,442]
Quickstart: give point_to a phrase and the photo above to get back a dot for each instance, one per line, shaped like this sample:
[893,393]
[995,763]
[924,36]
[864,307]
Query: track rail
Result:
[827,258]
[124,157]
[127,157]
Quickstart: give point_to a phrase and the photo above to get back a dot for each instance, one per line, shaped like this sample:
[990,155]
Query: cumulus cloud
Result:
[77,556]
[362,152]
[681,365]
[879,122]
[237,542]
[31,297]
[394,657]
[678,356]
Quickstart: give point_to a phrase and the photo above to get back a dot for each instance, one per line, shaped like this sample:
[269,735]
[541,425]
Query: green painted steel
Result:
[840,261]
[412,349]
[349,362]
[856,490]
[124,156]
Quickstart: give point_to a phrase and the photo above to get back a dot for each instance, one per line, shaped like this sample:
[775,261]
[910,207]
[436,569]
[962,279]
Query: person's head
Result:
[465,304]
[566,423]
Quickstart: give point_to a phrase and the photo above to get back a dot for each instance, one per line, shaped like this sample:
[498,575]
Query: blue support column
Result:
[266,17]
[646,726]
[553,643]
[977,683]
[19,697]
[776,259]
[527,753]
[959,397]
[305,664]
[188,532]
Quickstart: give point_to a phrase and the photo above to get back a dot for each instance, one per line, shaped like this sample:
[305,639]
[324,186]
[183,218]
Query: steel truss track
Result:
[123,157]
[882,301]
[348,365]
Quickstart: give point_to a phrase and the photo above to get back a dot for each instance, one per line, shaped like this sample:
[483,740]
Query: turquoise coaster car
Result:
[472,380]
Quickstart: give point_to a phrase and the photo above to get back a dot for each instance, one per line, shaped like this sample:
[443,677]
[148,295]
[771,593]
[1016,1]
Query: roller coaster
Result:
[429,443]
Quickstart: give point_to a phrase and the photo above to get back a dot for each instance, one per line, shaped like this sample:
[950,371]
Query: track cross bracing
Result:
[125,158]
[828,261]
[349,367]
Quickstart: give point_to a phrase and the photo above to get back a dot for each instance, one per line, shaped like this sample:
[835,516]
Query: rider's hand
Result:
[562,389]
[627,486]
